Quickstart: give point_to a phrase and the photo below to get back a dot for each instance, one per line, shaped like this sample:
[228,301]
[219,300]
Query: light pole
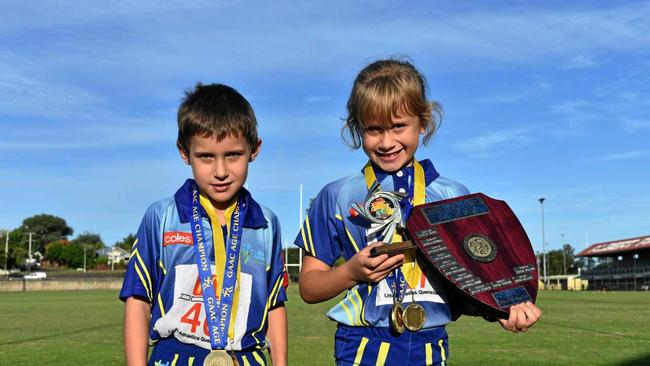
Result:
[6,251]
[541,201]
[635,256]
[563,256]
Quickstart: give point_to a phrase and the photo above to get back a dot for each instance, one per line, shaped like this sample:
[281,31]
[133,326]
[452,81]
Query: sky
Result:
[541,99]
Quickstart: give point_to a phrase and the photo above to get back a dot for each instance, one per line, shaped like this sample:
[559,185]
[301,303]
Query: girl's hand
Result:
[364,268]
[522,317]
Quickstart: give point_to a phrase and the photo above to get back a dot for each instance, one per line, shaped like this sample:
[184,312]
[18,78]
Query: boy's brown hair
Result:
[215,110]
[386,89]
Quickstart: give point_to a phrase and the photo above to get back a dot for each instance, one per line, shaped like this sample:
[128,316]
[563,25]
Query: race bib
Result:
[186,320]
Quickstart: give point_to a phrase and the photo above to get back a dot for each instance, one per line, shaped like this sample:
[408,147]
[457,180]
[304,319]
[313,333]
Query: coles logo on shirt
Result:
[177,237]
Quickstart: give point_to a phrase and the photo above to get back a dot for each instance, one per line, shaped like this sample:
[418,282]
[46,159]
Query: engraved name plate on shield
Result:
[477,244]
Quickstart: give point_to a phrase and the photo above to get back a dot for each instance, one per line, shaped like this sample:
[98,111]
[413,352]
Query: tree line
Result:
[52,242]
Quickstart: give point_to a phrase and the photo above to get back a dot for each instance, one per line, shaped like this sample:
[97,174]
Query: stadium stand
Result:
[623,265]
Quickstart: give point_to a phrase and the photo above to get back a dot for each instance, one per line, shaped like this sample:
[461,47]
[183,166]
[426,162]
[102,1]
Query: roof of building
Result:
[617,246]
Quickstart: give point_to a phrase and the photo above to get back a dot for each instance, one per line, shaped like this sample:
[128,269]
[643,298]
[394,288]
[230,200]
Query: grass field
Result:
[85,328]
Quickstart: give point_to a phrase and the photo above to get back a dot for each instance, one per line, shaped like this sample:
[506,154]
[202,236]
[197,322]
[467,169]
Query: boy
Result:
[206,270]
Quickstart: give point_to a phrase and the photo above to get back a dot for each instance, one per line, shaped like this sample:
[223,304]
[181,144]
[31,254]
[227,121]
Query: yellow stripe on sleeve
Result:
[429,353]
[144,269]
[383,353]
[258,358]
[443,356]
[190,361]
[134,243]
[175,359]
[362,347]
[304,238]
[144,284]
[313,248]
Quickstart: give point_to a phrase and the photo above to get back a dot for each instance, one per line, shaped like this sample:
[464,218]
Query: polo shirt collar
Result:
[254,218]
[430,172]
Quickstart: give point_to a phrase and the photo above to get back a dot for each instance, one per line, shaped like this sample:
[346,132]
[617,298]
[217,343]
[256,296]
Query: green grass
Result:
[85,328]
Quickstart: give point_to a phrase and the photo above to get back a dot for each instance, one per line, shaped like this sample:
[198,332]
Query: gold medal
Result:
[219,357]
[414,317]
[397,318]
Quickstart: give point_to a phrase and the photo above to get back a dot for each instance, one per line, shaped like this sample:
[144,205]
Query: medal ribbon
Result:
[217,311]
[417,196]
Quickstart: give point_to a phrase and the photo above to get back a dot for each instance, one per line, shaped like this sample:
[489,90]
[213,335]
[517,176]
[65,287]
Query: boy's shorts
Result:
[171,352]
[379,346]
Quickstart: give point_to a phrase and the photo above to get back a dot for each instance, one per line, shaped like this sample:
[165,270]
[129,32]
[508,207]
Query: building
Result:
[114,254]
[622,265]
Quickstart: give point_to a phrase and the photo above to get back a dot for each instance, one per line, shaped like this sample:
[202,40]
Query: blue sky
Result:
[542,99]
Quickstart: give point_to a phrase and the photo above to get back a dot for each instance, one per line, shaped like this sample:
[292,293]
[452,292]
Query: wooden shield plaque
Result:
[478,245]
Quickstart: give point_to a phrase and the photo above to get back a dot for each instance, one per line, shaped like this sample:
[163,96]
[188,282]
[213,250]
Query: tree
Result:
[54,252]
[45,228]
[84,246]
[91,239]
[561,259]
[127,242]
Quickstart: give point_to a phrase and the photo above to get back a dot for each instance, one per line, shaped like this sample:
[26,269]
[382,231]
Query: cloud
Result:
[581,62]
[494,143]
[635,125]
[317,98]
[624,155]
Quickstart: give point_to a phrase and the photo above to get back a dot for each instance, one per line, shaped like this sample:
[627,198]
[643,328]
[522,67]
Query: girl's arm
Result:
[320,282]
[136,331]
[277,334]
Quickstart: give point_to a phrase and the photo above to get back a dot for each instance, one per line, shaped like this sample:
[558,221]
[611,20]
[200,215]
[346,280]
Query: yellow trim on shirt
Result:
[443,356]
[383,353]
[429,353]
[146,272]
[311,240]
[266,309]
[362,347]
[258,358]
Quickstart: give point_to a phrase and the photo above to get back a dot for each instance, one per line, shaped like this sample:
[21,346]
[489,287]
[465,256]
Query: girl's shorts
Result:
[380,346]
[171,352]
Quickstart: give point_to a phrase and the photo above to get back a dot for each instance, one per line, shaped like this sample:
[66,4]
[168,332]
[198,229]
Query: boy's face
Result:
[392,147]
[219,168]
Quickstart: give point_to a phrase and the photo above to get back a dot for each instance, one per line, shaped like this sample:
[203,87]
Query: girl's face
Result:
[392,147]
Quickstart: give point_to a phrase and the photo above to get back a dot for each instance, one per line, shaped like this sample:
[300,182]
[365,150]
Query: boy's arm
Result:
[137,314]
[320,282]
[522,317]
[277,334]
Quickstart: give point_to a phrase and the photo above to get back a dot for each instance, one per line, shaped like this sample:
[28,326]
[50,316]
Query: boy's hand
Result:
[364,268]
[522,317]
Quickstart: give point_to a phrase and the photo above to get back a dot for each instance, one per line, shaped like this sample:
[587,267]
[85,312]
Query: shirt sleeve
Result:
[276,273]
[140,279]
[318,235]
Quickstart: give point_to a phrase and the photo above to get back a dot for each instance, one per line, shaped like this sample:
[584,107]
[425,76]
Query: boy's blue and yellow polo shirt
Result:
[163,270]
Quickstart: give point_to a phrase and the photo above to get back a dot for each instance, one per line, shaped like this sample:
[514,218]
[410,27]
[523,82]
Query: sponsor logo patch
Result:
[177,237]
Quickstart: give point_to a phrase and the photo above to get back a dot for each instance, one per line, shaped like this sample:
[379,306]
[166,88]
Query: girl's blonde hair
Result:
[386,89]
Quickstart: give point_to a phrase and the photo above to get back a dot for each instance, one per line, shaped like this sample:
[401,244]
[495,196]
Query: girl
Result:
[387,114]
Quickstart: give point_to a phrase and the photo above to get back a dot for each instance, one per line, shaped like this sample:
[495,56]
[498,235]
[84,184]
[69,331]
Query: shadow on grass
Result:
[641,361]
[55,335]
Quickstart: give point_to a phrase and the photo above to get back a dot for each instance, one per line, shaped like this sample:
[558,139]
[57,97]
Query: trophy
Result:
[478,247]
[382,210]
